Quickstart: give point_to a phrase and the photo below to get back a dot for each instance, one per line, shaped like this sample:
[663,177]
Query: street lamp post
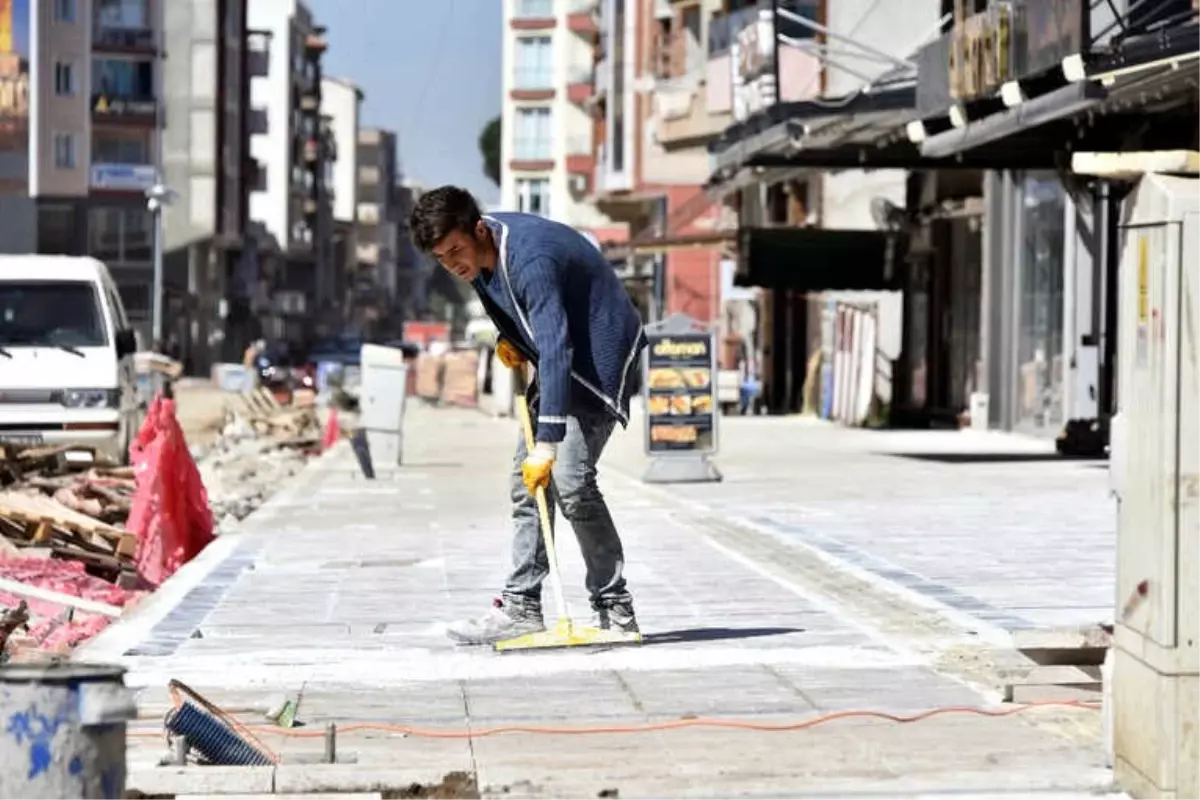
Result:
[158,196]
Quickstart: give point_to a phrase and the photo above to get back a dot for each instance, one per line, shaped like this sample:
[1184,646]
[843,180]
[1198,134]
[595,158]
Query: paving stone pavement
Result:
[337,590]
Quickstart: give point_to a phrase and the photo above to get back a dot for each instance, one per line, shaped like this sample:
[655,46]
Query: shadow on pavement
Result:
[713,634]
[990,458]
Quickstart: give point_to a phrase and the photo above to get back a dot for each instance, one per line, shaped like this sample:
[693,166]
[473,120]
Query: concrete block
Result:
[224,781]
[310,778]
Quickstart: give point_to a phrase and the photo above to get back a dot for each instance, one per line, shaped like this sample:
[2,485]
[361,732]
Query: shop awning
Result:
[816,259]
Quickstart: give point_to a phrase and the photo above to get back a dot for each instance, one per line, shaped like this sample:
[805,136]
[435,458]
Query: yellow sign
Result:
[1143,301]
[669,348]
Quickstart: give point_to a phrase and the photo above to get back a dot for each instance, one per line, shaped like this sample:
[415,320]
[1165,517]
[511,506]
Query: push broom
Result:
[565,633]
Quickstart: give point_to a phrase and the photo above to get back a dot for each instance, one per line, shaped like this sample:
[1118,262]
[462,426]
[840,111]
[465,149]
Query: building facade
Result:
[82,98]
[548,149]
[291,202]
[211,290]
[341,108]
[375,284]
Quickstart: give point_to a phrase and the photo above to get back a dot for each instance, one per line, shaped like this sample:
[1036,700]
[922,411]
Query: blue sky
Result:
[430,70]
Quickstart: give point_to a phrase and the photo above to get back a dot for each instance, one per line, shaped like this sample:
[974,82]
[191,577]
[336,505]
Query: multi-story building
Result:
[294,150]
[79,111]
[341,102]
[210,268]
[548,149]
[374,290]
[414,269]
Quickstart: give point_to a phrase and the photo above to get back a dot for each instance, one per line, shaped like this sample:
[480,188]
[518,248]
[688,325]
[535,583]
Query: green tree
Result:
[489,148]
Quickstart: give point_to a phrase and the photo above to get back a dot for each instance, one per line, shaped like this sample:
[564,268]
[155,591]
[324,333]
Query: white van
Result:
[66,356]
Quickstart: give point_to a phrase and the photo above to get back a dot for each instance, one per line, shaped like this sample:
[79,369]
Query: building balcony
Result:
[581,18]
[580,85]
[682,116]
[106,177]
[257,122]
[124,108]
[118,39]
[581,157]
[531,164]
[368,213]
[315,43]
[258,62]
[600,79]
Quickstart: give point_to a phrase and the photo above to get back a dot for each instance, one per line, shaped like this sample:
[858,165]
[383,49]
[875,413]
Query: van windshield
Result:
[51,314]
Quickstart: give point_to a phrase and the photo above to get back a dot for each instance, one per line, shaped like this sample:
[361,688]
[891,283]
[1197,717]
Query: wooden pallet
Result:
[36,520]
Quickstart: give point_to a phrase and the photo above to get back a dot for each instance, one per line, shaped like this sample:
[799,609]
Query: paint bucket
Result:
[63,730]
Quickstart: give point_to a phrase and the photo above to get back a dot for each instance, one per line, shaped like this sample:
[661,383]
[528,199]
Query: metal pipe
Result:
[819,28]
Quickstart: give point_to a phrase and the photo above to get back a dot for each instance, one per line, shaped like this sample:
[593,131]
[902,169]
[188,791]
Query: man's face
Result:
[463,254]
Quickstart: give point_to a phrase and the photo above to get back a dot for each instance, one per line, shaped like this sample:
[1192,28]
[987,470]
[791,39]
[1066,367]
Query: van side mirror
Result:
[126,343]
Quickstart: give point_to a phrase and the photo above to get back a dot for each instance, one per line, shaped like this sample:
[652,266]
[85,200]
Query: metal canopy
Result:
[814,259]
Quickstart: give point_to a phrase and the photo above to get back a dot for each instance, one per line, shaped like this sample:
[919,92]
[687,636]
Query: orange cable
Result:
[649,727]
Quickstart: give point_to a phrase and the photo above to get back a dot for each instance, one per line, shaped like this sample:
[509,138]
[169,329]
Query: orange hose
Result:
[648,727]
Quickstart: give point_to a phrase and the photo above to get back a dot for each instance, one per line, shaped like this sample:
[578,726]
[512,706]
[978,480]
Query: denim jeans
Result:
[573,489]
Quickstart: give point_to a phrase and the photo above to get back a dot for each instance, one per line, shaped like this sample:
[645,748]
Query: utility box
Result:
[382,394]
[1155,475]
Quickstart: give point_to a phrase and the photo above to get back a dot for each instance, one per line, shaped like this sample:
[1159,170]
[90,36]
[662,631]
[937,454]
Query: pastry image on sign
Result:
[697,378]
[658,404]
[677,434]
[681,404]
[666,378]
[702,404]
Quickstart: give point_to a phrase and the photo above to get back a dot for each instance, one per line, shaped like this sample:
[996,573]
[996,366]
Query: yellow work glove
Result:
[510,356]
[535,470]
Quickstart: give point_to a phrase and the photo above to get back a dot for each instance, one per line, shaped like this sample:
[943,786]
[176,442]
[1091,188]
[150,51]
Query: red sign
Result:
[425,333]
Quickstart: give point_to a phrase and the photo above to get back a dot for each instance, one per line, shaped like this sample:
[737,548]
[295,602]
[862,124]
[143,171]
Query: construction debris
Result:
[67,560]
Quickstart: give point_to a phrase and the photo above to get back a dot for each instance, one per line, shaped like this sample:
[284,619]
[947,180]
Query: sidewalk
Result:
[338,589]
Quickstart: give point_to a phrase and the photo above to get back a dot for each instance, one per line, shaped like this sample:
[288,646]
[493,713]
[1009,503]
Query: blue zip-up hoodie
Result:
[556,298]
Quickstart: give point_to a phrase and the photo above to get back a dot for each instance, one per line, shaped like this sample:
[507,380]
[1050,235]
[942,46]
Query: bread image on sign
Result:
[697,378]
[666,378]
[657,405]
[681,404]
[701,404]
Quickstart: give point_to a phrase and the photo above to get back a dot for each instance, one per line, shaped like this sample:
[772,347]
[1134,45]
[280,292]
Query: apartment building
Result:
[414,269]
[294,149]
[210,312]
[377,217]
[79,134]
[548,150]
[341,104]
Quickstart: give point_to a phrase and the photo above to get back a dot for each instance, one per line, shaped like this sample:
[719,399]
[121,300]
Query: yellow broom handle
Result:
[543,509]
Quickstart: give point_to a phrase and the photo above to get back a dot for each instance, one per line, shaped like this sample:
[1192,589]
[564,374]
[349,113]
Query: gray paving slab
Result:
[338,590]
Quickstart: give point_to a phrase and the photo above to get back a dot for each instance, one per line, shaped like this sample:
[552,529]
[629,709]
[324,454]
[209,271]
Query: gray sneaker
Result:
[502,621]
[619,616]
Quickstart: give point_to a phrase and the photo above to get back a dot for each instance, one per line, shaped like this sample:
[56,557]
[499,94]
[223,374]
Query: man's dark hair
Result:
[441,211]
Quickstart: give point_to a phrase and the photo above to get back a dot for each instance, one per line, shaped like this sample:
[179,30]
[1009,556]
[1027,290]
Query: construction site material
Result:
[66,726]
[169,514]
[565,633]
[210,732]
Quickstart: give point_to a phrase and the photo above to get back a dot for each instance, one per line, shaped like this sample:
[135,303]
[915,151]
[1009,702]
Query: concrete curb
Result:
[293,779]
[129,631]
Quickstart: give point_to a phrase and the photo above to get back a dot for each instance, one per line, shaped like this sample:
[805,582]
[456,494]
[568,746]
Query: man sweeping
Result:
[558,304]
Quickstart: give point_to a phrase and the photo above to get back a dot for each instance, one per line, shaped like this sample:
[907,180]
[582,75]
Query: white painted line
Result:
[286,668]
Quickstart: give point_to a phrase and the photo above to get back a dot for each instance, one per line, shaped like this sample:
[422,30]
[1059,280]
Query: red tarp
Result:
[170,513]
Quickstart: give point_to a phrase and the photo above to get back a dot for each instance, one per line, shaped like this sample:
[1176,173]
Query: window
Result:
[617,91]
[120,146]
[64,11]
[534,63]
[532,141]
[539,9]
[117,77]
[56,230]
[64,150]
[50,314]
[120,234]
[64,78]
[121,13]
[533,196]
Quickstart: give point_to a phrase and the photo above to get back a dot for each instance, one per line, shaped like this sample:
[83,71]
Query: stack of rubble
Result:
[261,445]
[66,561]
